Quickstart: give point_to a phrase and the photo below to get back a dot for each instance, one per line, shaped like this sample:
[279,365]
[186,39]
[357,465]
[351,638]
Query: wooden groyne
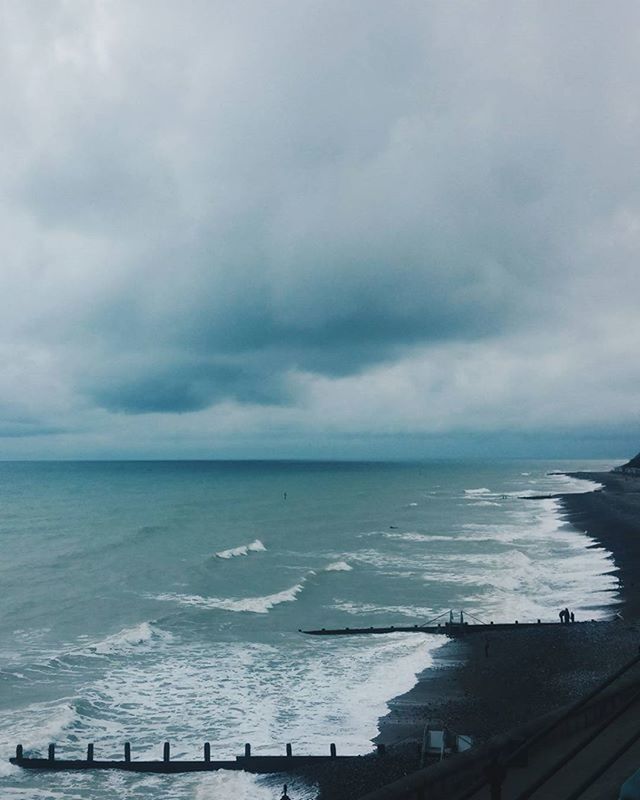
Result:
[452,628]
[246,762]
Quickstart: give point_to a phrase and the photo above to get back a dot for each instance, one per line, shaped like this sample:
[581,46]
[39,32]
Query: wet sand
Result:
[528,672]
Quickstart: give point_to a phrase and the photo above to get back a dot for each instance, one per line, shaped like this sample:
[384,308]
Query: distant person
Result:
[561,615]
[573,617]
[284,495]
[567,616]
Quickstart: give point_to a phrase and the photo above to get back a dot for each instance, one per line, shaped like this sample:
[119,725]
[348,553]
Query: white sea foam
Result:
[533,563]
[244,786]
[411,536]
[357,609]
[570,485]
[310,694]
[338,566]
[31,793]
[244,549]
[126,640]
[40,723]
[254,605]
[412,505]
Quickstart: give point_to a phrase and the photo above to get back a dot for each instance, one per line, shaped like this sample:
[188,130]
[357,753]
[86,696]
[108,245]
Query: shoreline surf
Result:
[400,541]
[472,689]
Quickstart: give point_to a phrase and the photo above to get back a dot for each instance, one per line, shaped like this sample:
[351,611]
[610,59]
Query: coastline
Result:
[482,696]
[611,516]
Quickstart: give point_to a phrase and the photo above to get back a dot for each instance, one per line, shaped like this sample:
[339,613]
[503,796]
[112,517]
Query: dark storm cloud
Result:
[203,204]
[185,387]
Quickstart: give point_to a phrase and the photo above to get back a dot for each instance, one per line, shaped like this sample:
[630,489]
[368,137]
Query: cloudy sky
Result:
[319,229]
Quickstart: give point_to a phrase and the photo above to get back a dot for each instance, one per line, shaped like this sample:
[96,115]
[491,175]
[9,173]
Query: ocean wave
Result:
[357,609]
[69,658]
[571,485]
[254,605]
[243,550]
[338,566]
[129,639]
[244,786]
[474,492]
[411,536]
[40,723]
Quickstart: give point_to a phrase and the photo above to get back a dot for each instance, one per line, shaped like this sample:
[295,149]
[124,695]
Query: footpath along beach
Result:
[527,673]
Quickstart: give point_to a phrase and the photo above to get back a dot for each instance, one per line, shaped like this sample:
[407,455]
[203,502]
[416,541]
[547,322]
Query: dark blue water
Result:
[145,601]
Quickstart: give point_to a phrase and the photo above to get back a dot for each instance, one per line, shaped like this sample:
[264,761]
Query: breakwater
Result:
[257,764]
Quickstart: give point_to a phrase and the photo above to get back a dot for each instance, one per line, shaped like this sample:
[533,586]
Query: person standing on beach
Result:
[566,616]
[573,617]
[561,615]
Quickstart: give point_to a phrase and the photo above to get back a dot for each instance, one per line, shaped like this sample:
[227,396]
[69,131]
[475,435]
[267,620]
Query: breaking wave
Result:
[254,605]
[338,566]
[243,786]
[129,639]
[243,550]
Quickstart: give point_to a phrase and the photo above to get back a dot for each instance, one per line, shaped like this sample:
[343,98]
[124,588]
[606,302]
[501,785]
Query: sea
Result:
[146,602]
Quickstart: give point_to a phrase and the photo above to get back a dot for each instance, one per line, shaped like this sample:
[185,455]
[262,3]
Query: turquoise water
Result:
[153,601]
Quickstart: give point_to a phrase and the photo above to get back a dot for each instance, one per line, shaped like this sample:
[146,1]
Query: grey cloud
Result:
[26,428]
[215,198]
[184,387]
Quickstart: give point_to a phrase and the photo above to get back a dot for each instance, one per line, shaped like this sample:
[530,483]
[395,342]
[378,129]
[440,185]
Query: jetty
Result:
[454,627]
[257,764]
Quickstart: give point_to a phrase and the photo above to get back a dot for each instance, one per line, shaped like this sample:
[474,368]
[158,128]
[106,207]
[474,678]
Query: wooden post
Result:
[538,622]
[19,752]
[90,752]
[207,751]
[127,752]
[516,622]
[166,756]
[52,752]
[332,750]
[247,750]
[289,751]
